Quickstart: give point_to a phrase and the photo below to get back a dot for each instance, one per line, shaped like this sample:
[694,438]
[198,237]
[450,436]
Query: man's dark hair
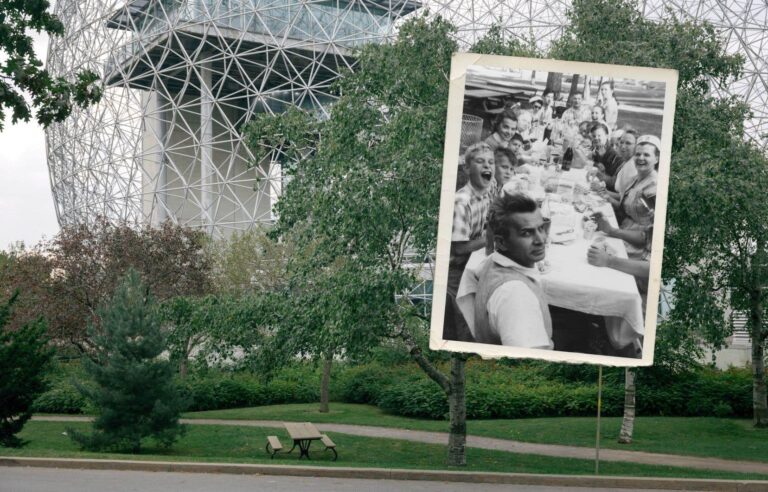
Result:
[599,125]
[517,137]
[502,209]
[505,152]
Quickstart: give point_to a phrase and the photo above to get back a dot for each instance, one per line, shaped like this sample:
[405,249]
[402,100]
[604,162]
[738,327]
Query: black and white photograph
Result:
[552,210]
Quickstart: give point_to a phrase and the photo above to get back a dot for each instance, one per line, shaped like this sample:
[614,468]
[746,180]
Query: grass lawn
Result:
[734,439]
[246,445]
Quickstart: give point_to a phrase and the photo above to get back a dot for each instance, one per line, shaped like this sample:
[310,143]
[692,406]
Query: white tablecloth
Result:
[573,283]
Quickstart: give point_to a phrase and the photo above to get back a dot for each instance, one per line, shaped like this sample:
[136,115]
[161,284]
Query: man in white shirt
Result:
[510,307]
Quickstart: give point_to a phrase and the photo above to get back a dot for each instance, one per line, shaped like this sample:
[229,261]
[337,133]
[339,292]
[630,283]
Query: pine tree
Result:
[132,387]
[24,361]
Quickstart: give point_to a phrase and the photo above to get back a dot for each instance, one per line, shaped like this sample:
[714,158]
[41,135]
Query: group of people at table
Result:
[495,210]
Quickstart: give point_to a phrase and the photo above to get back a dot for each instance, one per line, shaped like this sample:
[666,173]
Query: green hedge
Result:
[495,389]
[498,389]
[209,391]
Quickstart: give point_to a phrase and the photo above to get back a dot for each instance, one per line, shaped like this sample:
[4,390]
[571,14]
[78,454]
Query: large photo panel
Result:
[552,210]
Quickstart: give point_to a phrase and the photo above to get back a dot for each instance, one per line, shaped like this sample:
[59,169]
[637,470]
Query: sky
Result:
[27,213]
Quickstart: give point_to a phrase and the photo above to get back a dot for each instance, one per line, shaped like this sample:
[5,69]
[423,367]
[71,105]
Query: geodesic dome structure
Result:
[743,23]
[181,78]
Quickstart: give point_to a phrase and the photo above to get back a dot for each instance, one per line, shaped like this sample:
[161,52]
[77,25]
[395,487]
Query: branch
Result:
[418,356]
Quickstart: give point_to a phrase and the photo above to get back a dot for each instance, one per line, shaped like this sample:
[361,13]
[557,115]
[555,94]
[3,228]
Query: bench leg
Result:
[271,453]
[335,454]
[304,448]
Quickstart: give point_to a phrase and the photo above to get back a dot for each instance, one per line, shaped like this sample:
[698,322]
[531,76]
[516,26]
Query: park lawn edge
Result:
[478,459]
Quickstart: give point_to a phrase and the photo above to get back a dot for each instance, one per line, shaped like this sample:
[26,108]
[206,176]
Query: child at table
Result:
[470,212]
[505,162]
[517,145]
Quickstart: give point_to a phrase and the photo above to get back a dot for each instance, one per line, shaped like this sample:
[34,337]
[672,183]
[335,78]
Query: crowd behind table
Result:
[527,151]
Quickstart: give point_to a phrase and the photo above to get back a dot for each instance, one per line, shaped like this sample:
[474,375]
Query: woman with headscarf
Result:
[638,200]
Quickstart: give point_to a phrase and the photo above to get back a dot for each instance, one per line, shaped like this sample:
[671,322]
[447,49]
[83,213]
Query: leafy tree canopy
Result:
[716,239]
[21,72]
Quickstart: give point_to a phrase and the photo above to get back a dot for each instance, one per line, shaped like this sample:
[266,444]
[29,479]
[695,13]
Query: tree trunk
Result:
[183,368]
[325,384]
[457,406]
[587,90]
[759,398]
[628,424]
[554,83]
[574,89]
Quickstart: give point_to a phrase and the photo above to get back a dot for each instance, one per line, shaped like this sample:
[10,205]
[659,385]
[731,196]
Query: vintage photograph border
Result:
[459,65]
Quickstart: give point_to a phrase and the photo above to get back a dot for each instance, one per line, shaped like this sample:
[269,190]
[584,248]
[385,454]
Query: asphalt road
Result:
[28,479]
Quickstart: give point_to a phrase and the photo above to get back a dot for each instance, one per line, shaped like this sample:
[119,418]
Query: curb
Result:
[610,482]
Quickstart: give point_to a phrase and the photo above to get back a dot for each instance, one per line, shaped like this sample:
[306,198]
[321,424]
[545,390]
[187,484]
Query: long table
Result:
[572,283]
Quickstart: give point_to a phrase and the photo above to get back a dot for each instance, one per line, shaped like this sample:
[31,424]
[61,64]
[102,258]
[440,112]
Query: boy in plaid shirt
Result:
[470,211]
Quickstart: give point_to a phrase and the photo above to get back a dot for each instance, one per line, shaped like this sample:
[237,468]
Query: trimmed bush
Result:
[63,398]
[495,389]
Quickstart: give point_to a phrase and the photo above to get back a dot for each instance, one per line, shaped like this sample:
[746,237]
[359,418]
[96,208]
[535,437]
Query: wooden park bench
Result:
[274,443]
[329,445]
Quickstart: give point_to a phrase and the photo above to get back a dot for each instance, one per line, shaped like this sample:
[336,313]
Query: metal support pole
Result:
[599,407]
[206,148]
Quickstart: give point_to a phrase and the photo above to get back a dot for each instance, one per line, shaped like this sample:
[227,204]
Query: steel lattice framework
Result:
[183,76]
[742,23]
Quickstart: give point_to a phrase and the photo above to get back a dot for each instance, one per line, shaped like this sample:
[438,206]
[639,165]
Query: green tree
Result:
[211,328]
[710,165]
[720,206]
[21,71]
[362,203]
[248,262]
[132,386]
[25,358]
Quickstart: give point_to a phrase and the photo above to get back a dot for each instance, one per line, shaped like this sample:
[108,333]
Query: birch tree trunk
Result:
[628,424]
[325,384]
[457,405]
[759,394]
[454,387]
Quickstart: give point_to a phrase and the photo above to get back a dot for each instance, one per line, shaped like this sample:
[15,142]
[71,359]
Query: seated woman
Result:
[525,128]
[537,111]
[598,113]
[638,200]
[627,172]
[504,127]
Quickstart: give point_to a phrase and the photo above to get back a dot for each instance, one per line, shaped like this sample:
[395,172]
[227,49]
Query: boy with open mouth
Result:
[470,211]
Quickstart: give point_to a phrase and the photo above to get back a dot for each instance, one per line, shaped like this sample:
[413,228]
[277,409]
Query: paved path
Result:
[495,444]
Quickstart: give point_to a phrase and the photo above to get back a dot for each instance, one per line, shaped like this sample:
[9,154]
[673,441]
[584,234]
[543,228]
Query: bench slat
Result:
[327,441]
[274,443]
